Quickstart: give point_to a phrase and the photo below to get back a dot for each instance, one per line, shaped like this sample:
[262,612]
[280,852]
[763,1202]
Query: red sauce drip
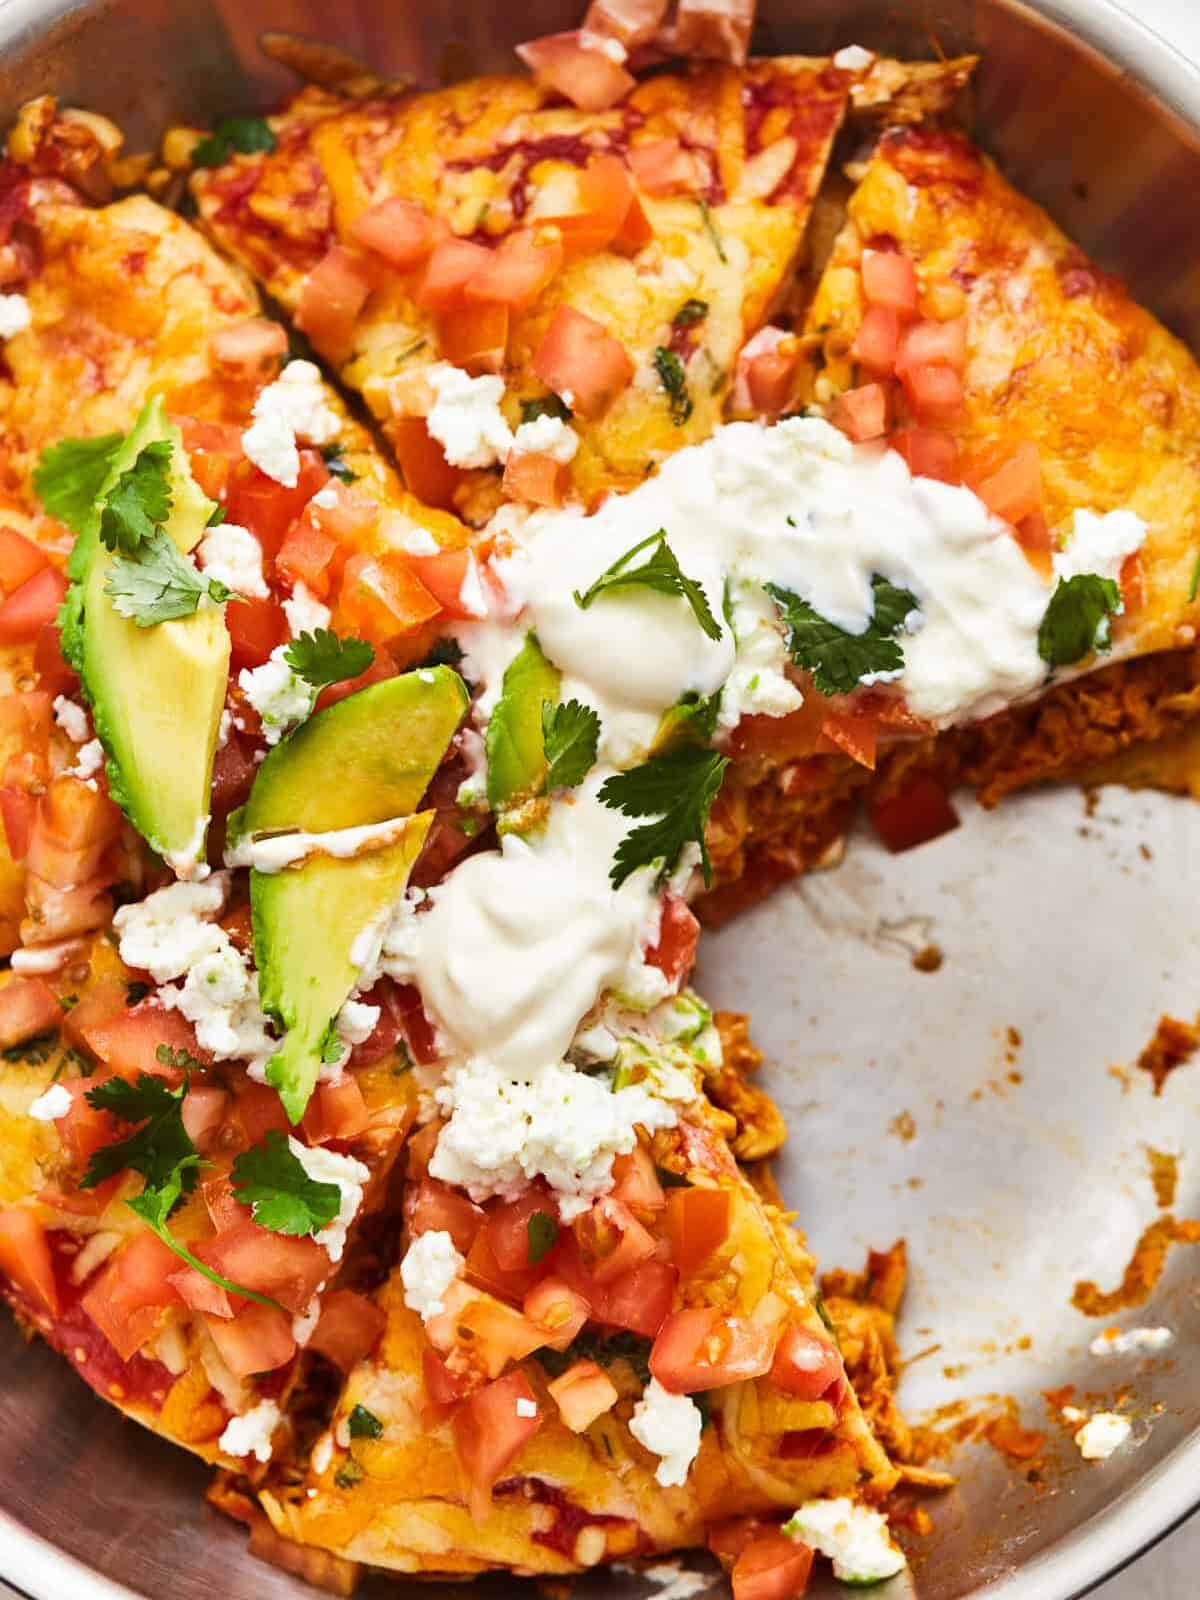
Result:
[571,1518]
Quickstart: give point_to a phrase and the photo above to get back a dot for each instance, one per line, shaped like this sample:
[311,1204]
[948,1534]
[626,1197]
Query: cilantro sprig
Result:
[1076,620]
[677,789]
[837,659]
[570,737]
[138,504]
[159,584]
[69,476]
[661,572]
[323,657]
[160,1149]
[673,377]
[271,1180]
[235,135]
[364,1424]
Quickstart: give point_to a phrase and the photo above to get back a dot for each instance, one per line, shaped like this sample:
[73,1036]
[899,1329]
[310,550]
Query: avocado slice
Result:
[156,693]
[306,920]
[364,759]
[516,751]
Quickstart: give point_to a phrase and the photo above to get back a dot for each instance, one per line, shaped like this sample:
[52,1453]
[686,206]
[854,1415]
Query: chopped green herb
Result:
[333,455]
[571,737]
[159,585]
[677,789]
[272,1181]
[661,572]
[332,1048]
[1194,586]
[545,405]
[137,991]
[349,1475]
[364,1424]
[592,1346]
[673,378]
[672,1180]
[322,657]
[68,1002]
[710,228]
[689,313]
[1076,620]
[69,476]
[138,504]
[180,1059]
[542,1231]
[241,135]
[216,516]
[838,660]
[445,653]
[34,1052]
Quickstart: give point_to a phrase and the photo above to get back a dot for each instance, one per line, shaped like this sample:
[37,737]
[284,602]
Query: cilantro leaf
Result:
[545,405]
[710,228]
[839,660]
[245,135]
[160,1148]
[542,1231]
[159,584]
[69,476]
[271,1180]
[593,1346]
[673,378]
[182,1060]
[571,736]
[364,1424]
[661,572]
[689,313]
[139,502]
[677,789]
[1076,620]
[333,455]
[322,657]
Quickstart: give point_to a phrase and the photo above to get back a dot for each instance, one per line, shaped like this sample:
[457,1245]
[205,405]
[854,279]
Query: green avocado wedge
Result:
[156,693]
[516,751]
[306,920]
[364,759]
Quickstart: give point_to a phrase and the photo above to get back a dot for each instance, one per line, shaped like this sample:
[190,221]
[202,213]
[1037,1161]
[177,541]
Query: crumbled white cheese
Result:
[853,1536]
[219,998]
[466,419]
[1101,1435]
[547,436]
[233,556]
[1112,1342]
[46,957]
[15,315]
[526,1408]
[430,1266]
[759,685]
[669,1425]
[281,697]
[72,719]
[304,1324]
[250,1434]
[89,758]
[293,407]
[351,1176]
[853,58]
[304,612]
[55,1103]
[326,499]
[356,1022]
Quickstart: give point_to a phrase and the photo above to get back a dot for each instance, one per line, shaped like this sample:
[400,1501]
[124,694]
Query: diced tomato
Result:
[27,1007]
[83,1129]
[55,676]
[224,1208]
[557,1310]
[584,75]
[349,1328]
[890,279]
[935,392]
[605,199]
[25,1256]
[382,597]
[284,1268]
[128,1299]
[915,814]
[336,1111]
[508,1225]
[31,606]
[728,1539]
[674,953]
[260,1111]
[932,344]
[635,1183]
[487,1333]
[631,22]
[1014,490]
[204,1109]
[331,298]
[18,809]
[854,735]
[398,230]
[861,413]
[518,270]
[663,166]
[382,667]
[454,580]
[705,1349]
[199,1293]
[878,340]
[453,264]
[418,1030]
[485,1272]
[474,336]
[929,453]
[805,1365]
[583,1393]
[268,508]
[1035,538]
[490,1431]
[535,478]
[578,357]
[249,350]
[772,1568]
[20,559]
[639,1300]
[128,1042]
[444,1388]
[435,1207]
[771,377]
[611,1240]
[213,450]
[1133,582]
[427,473]
[309,556]
[697,1226]
[72,828]
[257,1339]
